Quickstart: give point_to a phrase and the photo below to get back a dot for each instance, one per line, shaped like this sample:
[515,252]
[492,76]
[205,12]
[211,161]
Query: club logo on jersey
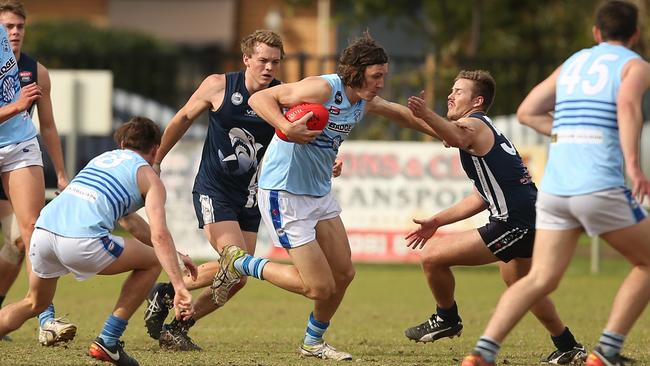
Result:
[244,152]
[336,143]
[338,97]
[236,98]
[9,88]
[5,45]
[357,115]
[335,111]
[25,77]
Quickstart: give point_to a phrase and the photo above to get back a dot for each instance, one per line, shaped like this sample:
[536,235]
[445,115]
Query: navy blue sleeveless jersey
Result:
[27,73]
[502,179]
[234,146]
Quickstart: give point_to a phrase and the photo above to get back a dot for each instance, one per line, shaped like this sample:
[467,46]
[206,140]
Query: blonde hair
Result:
[265,36]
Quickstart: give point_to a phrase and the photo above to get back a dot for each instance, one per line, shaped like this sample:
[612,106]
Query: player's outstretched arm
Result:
[268,103]
[208,95]
[535,111]
[399,114]
[48,129]
[154,195]
[467,207]
[457,135]
[635,82]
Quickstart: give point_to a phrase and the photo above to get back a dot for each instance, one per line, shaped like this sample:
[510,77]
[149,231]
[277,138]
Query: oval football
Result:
[317,122]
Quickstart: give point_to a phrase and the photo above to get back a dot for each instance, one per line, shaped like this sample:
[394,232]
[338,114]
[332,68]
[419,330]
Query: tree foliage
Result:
[519,41]
[140,63]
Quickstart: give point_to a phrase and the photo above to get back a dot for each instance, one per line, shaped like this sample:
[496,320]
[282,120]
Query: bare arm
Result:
[462,136]
[154,195]
[208,95]
[635,82]
[48,128]
[535,111]
[267,104]
[400,115]
[28,94]
[137,226]
[467,207]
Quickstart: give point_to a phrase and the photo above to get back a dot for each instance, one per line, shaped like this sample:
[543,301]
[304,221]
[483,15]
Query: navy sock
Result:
[449,314]
[565,341]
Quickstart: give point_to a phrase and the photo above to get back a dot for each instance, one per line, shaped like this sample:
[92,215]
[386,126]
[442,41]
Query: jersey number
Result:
[112,159]
[572,77]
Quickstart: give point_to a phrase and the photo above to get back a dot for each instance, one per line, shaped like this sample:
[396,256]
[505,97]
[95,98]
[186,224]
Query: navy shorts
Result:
[508,241]
[211,209]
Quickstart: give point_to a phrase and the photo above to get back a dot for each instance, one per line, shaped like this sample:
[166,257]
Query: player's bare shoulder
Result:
[212,89]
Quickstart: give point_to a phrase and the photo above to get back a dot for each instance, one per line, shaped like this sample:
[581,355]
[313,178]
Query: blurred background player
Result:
[13,17]
[595,130]
[295,198]
[225,187]
[109,189]
[502,185]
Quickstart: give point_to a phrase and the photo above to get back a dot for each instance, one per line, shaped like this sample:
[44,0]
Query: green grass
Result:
[264,325]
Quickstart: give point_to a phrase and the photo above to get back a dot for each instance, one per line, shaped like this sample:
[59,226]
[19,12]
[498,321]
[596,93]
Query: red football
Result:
[317,122]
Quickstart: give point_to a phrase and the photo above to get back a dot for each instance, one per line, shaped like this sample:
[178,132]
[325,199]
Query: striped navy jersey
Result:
[105,190]
[234,146]
[502,179]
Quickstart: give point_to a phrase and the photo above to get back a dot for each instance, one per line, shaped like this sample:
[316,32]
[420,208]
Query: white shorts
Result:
[597,212]
[291,219]
[20,155]
[54,256]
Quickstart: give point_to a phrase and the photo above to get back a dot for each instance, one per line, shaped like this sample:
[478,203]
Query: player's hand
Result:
[418,106]
[337,169]
[298,132]
[28,95]
[61,183]
[640,185]
[183,307]
[187,265]
[417,238]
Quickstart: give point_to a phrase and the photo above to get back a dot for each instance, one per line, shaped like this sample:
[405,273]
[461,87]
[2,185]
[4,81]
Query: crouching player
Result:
[109,189]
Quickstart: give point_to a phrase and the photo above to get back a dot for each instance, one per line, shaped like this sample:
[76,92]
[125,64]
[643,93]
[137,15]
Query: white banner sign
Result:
[384,186]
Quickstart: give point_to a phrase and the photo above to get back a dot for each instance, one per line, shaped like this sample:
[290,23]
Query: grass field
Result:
[264,325]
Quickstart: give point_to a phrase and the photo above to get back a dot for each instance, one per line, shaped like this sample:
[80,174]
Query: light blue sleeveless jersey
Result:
[307,169]
[104,191]
[18,128]
[585,153]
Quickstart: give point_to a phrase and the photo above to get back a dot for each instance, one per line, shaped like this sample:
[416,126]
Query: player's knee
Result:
[543,282]
[431,261]
[321,291]
[344,278]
